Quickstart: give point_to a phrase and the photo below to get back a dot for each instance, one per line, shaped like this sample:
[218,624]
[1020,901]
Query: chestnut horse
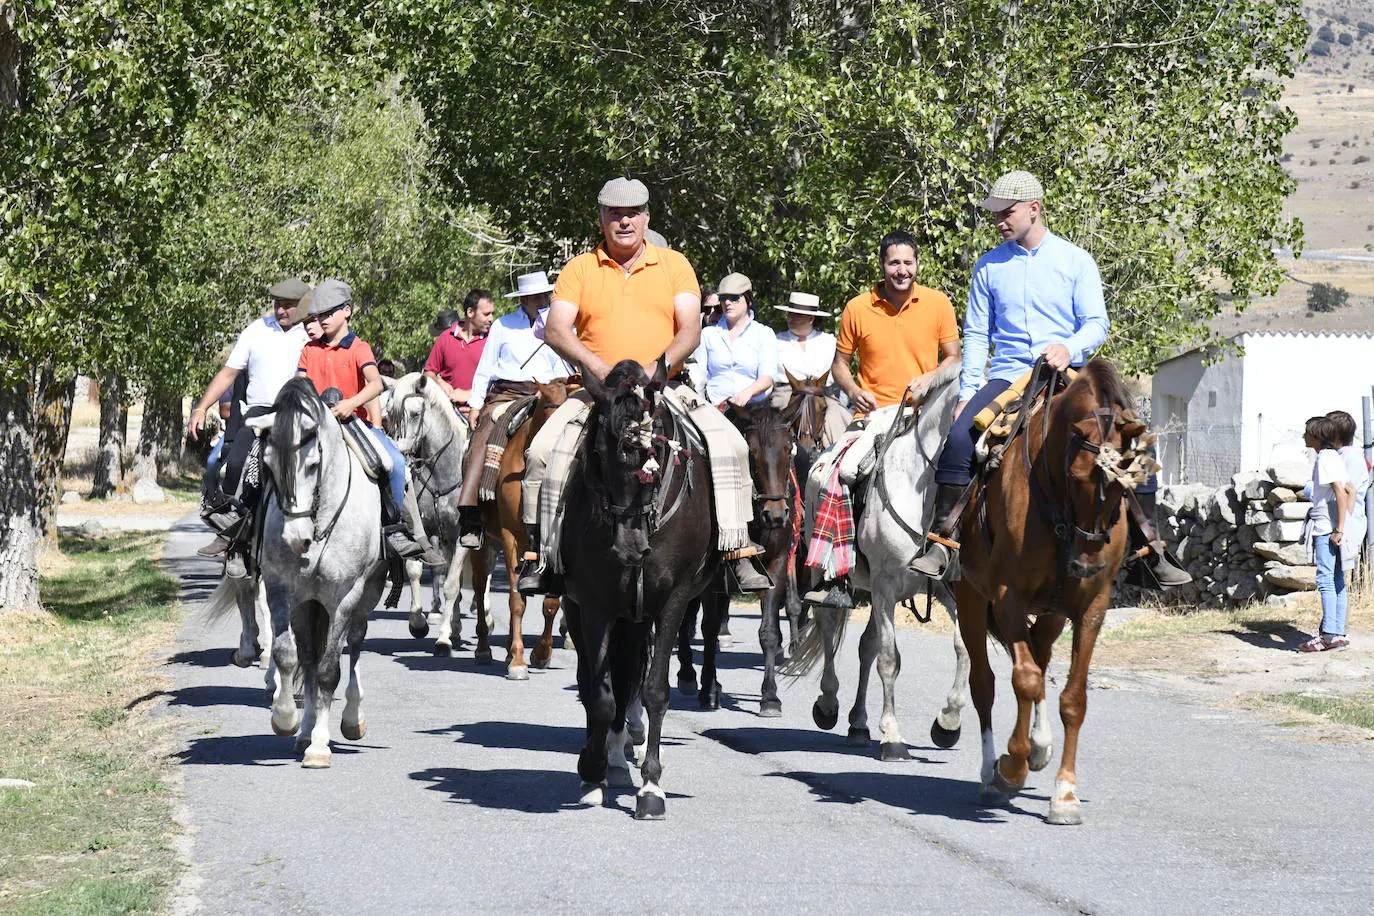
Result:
[1043,538]
[503,525]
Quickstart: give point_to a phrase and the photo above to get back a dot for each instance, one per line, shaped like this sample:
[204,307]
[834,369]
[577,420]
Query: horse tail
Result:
[995,631]
[812,644]
[222,600]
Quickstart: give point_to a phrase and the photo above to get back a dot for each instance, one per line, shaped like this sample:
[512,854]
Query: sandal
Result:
[1315,644]
[1335,642]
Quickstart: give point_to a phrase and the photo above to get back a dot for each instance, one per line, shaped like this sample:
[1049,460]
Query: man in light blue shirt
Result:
[1035,294]
[514,359]
[737,354]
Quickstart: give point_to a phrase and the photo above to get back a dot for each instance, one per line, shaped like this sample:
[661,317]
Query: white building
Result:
[1220,413]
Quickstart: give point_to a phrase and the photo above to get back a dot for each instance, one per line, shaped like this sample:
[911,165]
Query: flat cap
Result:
[736,284]
[292,289]
[1011,188]
[329,295]
[623,192]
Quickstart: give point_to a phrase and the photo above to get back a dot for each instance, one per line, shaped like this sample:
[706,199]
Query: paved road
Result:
[462,799]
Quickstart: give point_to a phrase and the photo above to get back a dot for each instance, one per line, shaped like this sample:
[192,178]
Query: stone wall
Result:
[1241,543]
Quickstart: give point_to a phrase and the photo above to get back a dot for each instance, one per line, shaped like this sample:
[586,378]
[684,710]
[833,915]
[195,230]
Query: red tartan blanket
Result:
[832,535]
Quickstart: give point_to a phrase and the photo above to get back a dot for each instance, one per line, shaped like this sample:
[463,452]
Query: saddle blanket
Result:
[831,548]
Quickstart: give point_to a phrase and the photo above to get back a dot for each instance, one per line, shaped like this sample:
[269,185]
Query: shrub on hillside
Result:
[1325,33]
[1364,28]
[1321,49]
[1346,39]
[1323,297]
[1359,160]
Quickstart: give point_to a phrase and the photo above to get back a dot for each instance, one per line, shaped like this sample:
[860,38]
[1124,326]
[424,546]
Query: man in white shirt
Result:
[513,360]
[268,350]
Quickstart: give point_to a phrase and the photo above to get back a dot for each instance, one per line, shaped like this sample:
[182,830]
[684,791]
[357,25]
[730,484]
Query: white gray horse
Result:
[322,564]
[888,533]
[434,438]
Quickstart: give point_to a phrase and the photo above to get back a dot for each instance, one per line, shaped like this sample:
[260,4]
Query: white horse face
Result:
[300,496]
[410,429]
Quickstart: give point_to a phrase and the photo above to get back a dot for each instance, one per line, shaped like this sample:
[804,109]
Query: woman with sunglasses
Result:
[738,355]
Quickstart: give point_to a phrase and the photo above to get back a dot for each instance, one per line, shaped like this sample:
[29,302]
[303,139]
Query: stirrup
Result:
[936,559]
[839,594]
[750,574]
[470,525]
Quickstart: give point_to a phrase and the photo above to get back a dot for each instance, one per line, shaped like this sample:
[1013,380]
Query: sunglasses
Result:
[320,316]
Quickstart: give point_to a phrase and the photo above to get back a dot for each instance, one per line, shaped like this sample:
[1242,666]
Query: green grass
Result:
[95,835]
[1355,709]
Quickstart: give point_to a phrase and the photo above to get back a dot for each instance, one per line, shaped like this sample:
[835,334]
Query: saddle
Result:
[376,463]
[1003,419]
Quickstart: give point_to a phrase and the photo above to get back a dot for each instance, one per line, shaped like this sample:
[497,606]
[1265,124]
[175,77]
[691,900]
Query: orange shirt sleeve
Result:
[363,355]
[570,281]
[949,327]
[303,364]
[847,341]
[682,276]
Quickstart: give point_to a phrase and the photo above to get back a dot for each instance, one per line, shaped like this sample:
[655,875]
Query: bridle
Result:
[809,423]
[430,462]
[285,480]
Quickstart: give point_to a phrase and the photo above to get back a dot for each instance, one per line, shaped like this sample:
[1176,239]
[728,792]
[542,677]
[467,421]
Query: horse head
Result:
[550,398]
[769,437]
[301,427]
[805,412]
[1105,451]
[625,464]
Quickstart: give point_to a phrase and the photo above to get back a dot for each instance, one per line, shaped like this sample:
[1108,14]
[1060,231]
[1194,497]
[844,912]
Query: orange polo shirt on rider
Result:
[895,345]
[626,316]
[338,366]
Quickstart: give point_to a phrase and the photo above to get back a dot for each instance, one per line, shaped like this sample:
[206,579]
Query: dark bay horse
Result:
[1051,540]
[639,496]
[503,526]
[768,432]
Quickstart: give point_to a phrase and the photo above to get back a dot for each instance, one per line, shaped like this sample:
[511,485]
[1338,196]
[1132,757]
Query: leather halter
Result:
[772,497]
[286,485]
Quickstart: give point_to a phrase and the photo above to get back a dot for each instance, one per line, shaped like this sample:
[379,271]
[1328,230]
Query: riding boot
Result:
[1150,564]
[750,574]
[470,525]
[836,593]
[534,579]
[226,536]
[940,550]
[400,541]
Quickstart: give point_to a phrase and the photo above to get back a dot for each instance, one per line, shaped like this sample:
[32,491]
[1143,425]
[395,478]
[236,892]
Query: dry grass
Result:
[94,835]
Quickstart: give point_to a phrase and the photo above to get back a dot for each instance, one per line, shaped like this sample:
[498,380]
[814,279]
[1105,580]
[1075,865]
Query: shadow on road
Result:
[761,740]
[256,750]
[1278,635]
[525,736]
[203,658]
[533,791]
[956,799]
[218,695]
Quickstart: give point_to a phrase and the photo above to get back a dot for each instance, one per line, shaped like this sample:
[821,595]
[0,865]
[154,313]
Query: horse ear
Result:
[824,379]
[660,375]
[791,408]
[792,379]
[595,386]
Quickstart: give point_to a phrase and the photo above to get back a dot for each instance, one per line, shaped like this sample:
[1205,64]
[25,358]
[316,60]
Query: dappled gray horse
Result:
[322,564]
[888,532]
[434,438]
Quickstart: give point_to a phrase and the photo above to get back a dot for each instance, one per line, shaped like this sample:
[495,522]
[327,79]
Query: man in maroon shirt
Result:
[453,360]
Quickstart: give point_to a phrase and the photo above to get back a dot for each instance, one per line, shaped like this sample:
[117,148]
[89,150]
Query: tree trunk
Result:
[114,422]
[159,440]
[19,500]
[51,404]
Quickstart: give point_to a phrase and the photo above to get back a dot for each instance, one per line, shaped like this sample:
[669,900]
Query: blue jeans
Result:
[398,467]
[1331,586]
[955,465]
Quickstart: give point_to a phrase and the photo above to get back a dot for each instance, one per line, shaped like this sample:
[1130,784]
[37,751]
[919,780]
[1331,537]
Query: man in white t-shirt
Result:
[268,350]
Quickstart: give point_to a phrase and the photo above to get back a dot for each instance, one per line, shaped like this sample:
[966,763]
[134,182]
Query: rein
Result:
[430,463]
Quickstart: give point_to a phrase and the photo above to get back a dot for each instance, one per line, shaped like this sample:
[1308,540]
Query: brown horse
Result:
[503,525]
[1043,538]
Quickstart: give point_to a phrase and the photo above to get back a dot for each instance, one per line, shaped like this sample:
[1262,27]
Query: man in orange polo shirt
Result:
[628,299]
[902,332]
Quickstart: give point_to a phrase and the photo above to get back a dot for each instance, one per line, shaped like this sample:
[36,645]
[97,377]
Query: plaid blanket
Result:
[506,408]
[832,547]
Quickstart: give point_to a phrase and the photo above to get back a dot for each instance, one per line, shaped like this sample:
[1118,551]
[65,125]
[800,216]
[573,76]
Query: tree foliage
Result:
[782,138]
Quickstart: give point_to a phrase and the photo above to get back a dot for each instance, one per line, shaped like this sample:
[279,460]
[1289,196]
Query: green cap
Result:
[1011,188]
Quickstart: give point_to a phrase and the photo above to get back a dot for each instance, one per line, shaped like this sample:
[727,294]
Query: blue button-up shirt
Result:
[1022,301]
[731,365]
[514,354]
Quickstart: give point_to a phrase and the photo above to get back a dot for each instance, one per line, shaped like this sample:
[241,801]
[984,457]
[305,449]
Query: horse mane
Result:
[415,383]
[1107,381]
[942,377]
[299,393]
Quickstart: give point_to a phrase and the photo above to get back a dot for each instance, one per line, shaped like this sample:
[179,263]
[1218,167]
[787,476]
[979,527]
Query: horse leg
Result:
[543,650]
[1065,807]
[325,677]
[713,604]
[594,690]
[263,620]
[516,669]
[634,724]
[353,724]
[479,572]
[1028,682]
[944,731]
[245,593]
[650,803]
[892,746]
[686,673]
[825,712]
[1044,632]
[973,625]
[448,584]
[770,641]
[625,677]
[286,718]
[868,650]
[417,622]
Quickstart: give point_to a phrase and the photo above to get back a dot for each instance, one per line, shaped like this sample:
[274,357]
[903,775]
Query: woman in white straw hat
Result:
[806,354]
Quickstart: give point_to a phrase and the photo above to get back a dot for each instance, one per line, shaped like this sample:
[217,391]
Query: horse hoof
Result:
[353,731]
[442,649]
[638,736]
[540,663]
[857,737]
[592,794]
[419,628]
[770,709]
[482,656]
[1065,813]
[709,697]
[893,752]
[1040,757]
[284,731]
[650,807]
[619,777]
[725,640]
[518,673]
[824,719]
[316,760]
[687,686]
[1001,783]
[944,737]
[239,660]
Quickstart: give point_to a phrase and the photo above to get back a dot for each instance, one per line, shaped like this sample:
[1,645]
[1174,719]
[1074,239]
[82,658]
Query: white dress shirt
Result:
[811,361]
[514,354]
